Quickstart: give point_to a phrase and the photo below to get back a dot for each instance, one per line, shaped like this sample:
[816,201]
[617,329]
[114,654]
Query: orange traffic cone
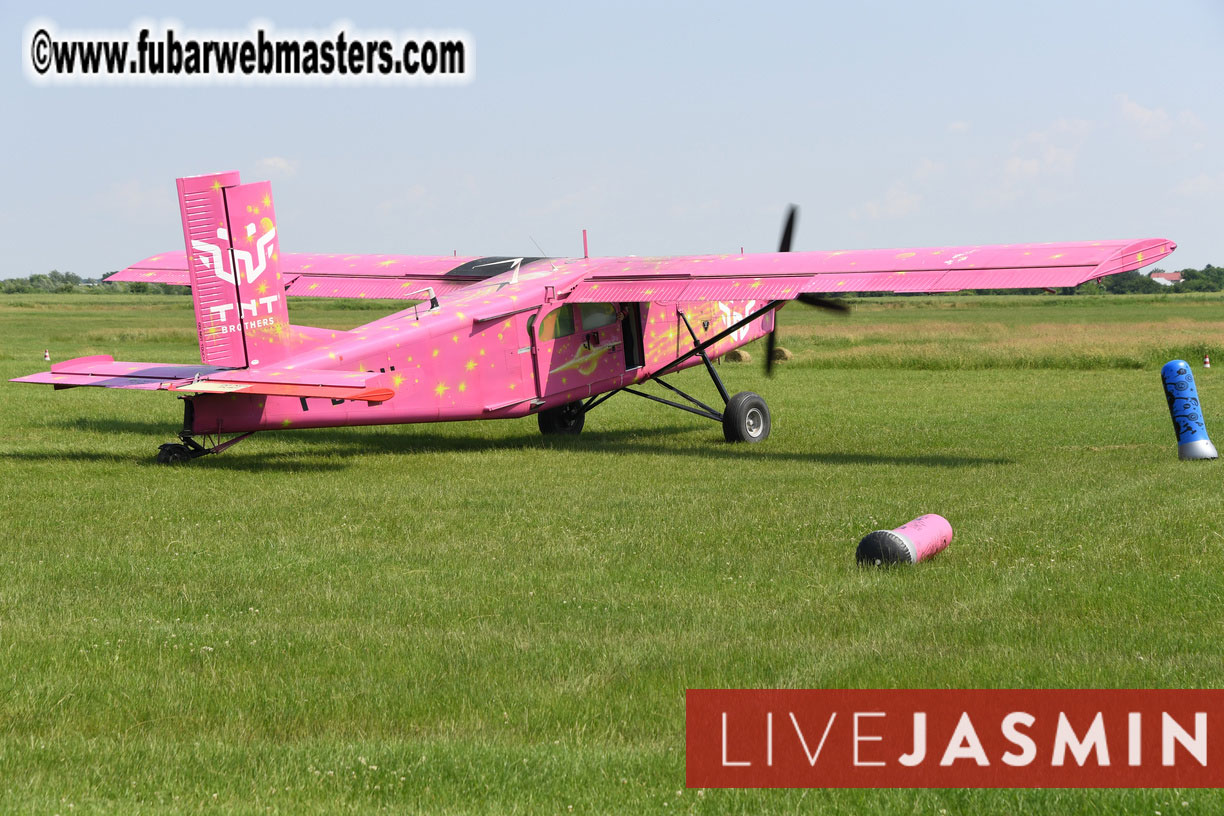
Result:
[47,355]
[1206,361]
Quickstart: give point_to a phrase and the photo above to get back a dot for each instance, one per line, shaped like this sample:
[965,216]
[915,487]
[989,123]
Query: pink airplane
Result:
[500,337]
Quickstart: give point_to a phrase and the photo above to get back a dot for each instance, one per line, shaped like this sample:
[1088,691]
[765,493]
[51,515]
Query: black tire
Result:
[564,419]
[174,454]
[746,418]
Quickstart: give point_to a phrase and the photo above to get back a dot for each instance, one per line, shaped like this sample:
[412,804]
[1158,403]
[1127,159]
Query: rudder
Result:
[229,228]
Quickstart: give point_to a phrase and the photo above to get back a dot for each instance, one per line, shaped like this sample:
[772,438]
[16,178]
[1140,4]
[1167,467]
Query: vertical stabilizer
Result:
[233,258]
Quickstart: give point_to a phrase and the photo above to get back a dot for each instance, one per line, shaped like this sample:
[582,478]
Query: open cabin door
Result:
[580,348]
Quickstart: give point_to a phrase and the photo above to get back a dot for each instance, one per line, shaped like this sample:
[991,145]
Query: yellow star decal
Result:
[441,388]
[469,365]
[397,381]
[216,185]
[267,200]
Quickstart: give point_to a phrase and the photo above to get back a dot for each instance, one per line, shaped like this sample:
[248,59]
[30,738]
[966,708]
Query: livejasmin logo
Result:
[953,738]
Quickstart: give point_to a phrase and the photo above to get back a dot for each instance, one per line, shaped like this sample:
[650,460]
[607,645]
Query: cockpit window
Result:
[557,323]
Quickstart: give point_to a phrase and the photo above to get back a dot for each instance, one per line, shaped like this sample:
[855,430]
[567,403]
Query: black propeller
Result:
[832,304]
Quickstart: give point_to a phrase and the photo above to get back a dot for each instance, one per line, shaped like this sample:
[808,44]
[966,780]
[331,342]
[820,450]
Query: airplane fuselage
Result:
[507,347]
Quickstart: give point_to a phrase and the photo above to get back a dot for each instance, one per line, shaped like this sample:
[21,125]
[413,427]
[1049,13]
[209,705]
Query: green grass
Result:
[467,618]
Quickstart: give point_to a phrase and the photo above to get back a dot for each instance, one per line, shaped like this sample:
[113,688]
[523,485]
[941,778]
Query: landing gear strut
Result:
[187,448]
[745,417]
[177,453]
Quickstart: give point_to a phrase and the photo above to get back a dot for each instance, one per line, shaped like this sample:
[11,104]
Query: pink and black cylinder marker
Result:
[910,543]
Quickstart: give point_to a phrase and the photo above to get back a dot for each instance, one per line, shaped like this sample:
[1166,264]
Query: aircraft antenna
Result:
[545,254]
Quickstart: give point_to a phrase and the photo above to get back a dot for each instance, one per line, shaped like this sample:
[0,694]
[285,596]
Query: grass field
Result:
[467,618]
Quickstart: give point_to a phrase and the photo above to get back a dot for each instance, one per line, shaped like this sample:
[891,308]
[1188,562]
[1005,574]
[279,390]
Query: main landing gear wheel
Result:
[564,419]
[173,453]
[746,418]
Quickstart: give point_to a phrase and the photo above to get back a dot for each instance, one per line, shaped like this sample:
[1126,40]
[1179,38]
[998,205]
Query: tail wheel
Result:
[174,454]
[564,419]
[746,418]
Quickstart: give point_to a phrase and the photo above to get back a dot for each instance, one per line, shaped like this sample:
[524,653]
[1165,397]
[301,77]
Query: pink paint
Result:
[910,543]
[506,337]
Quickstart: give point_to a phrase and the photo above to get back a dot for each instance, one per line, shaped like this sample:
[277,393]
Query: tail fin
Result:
[233,258]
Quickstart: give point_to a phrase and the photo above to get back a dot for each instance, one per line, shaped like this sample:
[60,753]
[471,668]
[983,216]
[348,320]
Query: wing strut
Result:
[698,349]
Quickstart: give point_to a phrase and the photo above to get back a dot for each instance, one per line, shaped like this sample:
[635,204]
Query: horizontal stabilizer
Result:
[102,371]
[274,381]
[96,380]
[286,390]
[300,376]
[103,365]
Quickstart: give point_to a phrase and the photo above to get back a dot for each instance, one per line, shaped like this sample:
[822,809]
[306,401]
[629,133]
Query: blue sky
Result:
[662,128]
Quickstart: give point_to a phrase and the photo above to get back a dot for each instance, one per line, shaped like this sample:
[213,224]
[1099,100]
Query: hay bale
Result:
[781,355]
[737,356]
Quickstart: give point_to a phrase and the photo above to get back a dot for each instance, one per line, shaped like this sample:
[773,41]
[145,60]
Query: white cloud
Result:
[958,127]
[1040,164]
[898,201]
[139,202]
[928,169]
[901,198]
[1156,123]
[276,167]
[1204,185]
[1044,155]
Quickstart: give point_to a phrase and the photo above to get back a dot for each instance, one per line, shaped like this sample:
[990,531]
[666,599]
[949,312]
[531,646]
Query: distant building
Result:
[1166,278]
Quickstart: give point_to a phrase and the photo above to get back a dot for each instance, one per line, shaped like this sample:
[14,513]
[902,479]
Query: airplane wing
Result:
[783,276]
[772,276]
[401,277]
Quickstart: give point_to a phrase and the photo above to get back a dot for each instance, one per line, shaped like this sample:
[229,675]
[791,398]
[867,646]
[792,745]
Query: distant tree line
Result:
[56,281]
[1208,279]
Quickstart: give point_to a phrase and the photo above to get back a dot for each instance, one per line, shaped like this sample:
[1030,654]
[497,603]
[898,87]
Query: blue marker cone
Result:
[1187,414]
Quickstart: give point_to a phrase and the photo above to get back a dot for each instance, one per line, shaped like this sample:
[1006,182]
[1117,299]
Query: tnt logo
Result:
[731,317]
[210,255]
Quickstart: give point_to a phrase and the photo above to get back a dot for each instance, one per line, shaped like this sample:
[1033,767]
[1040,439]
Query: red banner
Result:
[955,738]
